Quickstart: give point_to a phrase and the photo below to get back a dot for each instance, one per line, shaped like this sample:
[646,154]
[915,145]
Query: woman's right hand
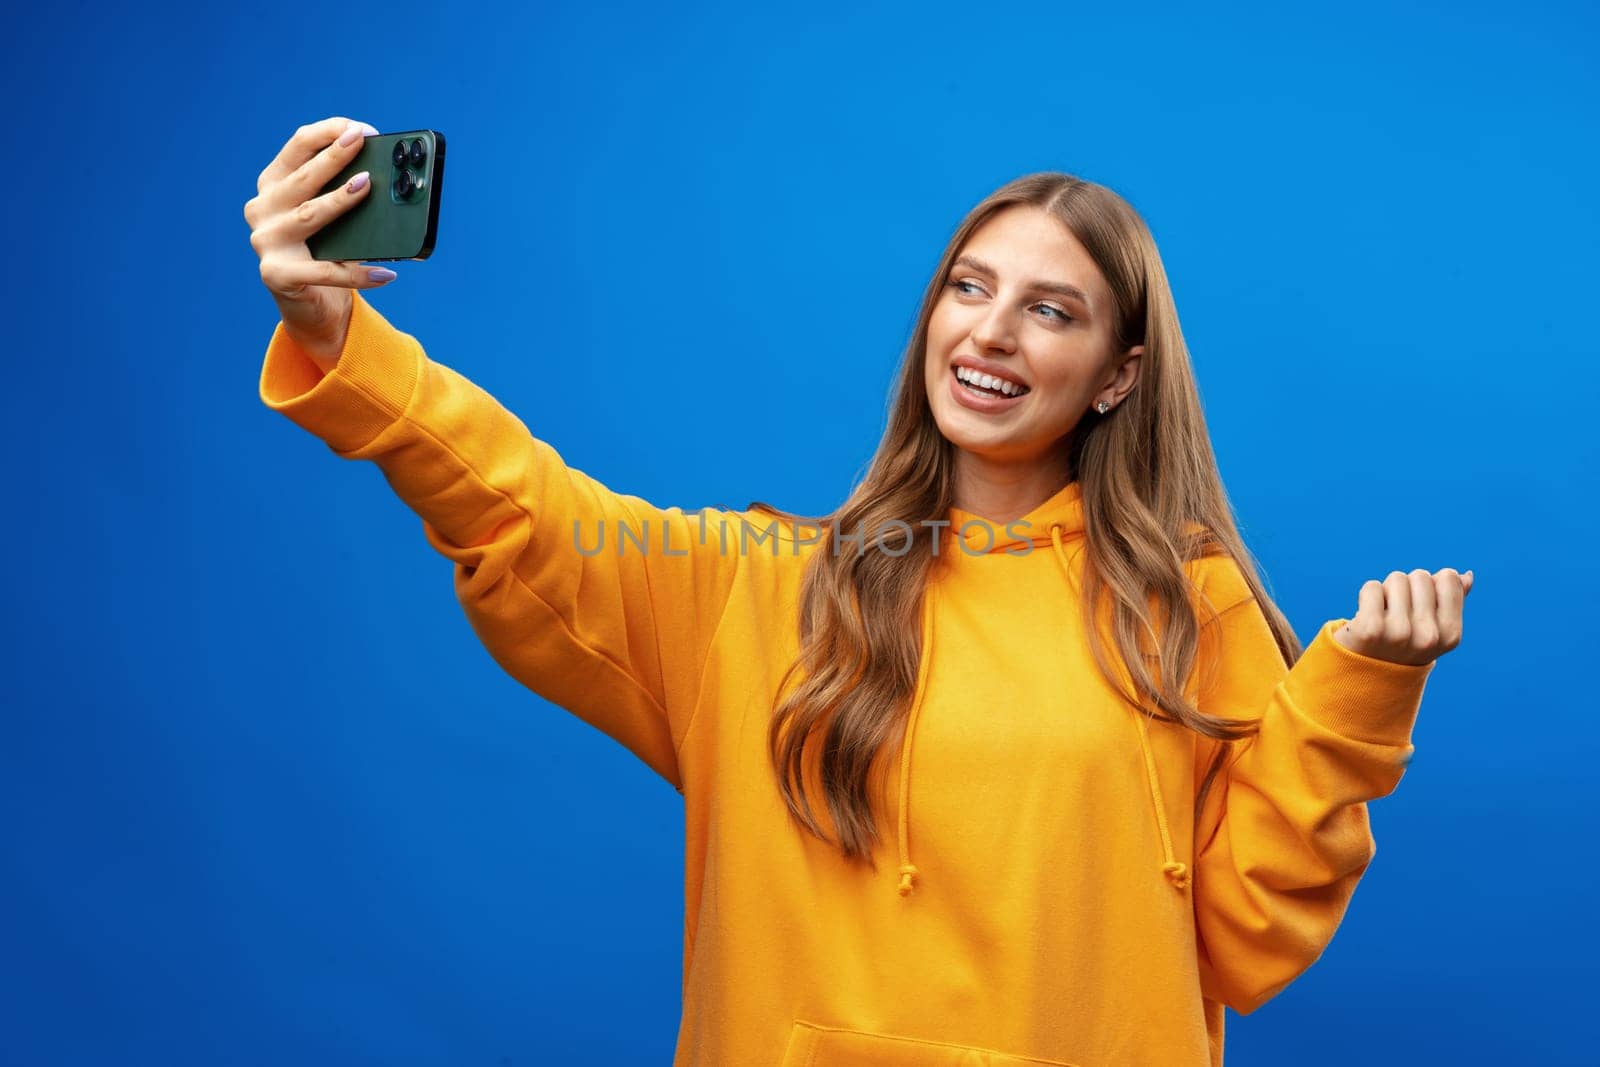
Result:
[314,296]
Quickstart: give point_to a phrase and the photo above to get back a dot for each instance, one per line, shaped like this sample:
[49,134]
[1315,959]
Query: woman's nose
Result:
[995,330]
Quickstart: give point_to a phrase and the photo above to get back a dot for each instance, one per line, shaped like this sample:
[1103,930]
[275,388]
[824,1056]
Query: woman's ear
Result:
[1125,377]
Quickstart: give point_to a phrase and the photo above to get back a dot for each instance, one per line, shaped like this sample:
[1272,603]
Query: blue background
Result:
[267,800]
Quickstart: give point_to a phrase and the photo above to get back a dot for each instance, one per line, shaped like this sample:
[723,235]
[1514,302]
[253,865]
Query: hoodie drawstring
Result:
[908,871]
[1176,872]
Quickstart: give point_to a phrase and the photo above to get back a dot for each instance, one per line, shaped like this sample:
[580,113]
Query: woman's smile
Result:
[976,397]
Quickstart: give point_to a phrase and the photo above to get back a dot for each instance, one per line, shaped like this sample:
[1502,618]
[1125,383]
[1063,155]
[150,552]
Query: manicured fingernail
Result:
[351,134]
[358,183]
[382,274]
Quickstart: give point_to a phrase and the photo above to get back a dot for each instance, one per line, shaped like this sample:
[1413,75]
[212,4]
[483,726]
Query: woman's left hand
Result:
[1408,618]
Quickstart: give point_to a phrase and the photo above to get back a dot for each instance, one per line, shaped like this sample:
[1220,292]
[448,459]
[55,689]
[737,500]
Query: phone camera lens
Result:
[403,185]
[419,152]
[400,153]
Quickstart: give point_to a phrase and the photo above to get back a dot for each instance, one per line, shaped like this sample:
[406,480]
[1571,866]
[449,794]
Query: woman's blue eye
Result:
[962,287]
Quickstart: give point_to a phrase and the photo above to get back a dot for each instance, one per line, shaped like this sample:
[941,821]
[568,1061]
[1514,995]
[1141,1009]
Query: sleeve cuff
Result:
[1360,697]
[367,391]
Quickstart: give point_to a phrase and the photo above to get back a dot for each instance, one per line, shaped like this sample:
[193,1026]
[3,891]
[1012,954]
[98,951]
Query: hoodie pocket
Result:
[815,1045]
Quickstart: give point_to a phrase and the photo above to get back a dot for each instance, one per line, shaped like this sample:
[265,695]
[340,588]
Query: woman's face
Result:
[1023,302]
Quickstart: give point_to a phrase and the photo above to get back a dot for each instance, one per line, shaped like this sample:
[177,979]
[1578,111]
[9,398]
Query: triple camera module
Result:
[408,156]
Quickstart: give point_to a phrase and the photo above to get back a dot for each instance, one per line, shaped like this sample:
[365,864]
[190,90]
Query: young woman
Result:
[1011,759]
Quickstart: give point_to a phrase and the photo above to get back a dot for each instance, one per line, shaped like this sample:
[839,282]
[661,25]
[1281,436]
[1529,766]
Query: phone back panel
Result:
[387,225]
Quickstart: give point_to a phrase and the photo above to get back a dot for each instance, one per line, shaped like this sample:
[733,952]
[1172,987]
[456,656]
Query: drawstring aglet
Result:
[907,873]
[1178,872]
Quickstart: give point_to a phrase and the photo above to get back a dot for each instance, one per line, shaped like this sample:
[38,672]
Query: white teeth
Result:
[989,381]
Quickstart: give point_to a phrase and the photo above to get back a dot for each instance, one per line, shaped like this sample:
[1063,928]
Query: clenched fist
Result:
[1408,618]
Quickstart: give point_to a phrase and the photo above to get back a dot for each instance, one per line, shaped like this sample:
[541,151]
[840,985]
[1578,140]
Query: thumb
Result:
[1466,582]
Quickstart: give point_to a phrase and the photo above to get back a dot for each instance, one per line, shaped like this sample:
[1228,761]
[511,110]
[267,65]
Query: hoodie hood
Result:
[1059,518]
[1057,525]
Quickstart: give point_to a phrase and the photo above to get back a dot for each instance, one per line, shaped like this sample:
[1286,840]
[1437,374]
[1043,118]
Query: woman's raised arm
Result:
[617,636]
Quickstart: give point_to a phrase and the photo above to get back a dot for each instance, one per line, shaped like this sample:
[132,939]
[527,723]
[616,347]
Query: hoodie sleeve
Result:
[1284,835]
[618,636]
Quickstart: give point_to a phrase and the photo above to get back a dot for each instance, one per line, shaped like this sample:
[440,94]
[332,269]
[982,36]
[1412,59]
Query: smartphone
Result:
[399,216]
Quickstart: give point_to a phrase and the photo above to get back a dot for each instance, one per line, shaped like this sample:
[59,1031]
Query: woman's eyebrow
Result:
[1060,288]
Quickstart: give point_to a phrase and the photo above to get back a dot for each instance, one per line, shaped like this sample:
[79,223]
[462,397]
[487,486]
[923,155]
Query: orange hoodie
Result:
[1045,892]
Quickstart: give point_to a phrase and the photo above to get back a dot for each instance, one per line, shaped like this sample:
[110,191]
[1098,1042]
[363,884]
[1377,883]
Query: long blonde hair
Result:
[1152,500]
